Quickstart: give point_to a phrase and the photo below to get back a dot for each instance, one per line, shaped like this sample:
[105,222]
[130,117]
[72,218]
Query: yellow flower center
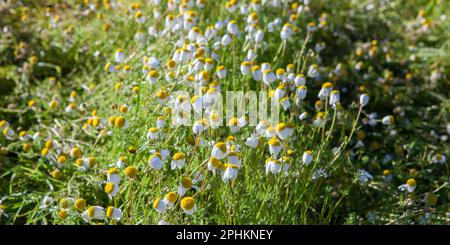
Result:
[64,203]
[119,122]
[281,126]
[109,187]
[215,162]
[63,214]
[187,203]
[44,151]
[80,204]
[49,144]
[411,182]
[91,212]
[171,197]
[123,109]
[280,71]
[56,174]
[155,203]
[109,211]
[62,159]
[222,146]
[171,64]
[113,171]
[274,141]
[327,85]
[179,156]
[131,171]
[186,183]
[234,121]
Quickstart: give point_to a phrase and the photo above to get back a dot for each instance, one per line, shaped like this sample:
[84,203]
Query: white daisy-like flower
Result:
[155,161]
[94,212]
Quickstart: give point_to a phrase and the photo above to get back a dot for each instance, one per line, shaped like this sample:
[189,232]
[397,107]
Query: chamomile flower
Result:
[284,130]
[155,161]
[234,125]
[273,166]
[152,76]
[226,40]
[121,161]
[299,80]
[8,133]
[387,175]
[113,176]
[219,150]
[313,71]
[235,157]
[170,199]
[71,107]
[221,72]
[409,186]
[286,31]
[153,133]
[245,68]
[200,126]
[94,212]
[285,103]
[214,164]
[114,213]
[438,158]
[259,36]
[325,91]
[268,77]
[197,104]
[215,120]
[307,157]
[363,99]
[159,205]
[275,146]
[188,205]
[320,120]
[119,56]
[111,189]
[334,97]
[252,142]
[286,162]
[160,122]
[232,28]
[280,92]
[229,172]
[63,214]
[270,131]
[131,172]
[178,160]
[110,68]
[281,74]
[120,122]
[24,136]
[301,92]
[388,120]
[185,185]
[303,116]
[257,74]
[65,203]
